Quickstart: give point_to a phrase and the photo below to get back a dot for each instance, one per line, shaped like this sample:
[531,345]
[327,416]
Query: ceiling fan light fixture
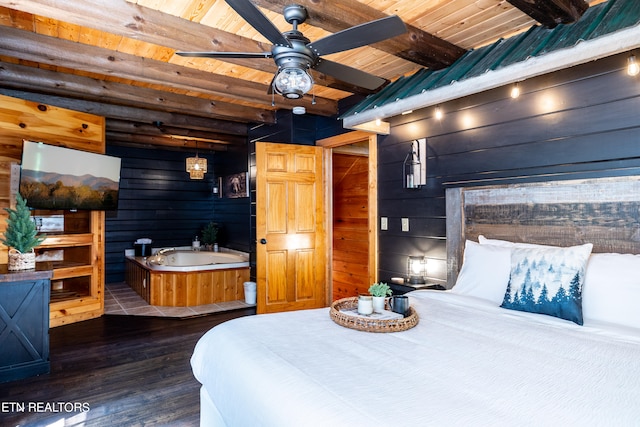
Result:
[293,82]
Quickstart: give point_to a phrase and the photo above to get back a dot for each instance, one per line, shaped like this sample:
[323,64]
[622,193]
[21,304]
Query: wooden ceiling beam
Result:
[48,50]
[159,129]
[15,76]
[121,112]
[147,141]
[127,19]
[550,13]
[415,45]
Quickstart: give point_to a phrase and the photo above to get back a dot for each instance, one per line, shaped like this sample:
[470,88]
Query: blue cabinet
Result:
[24,323]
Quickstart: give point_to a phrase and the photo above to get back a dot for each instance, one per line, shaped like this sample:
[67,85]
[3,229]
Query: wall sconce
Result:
[217,187]
[633,68]
[414,167]
[416,269]
[196,166]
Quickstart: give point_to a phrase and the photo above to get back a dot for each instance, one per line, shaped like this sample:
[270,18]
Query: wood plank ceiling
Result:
[117,58]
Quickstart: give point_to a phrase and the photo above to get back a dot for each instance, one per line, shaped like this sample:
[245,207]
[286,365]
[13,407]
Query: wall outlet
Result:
[405,224]
[384,223]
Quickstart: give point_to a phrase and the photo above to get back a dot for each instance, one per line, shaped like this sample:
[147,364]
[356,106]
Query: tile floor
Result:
[120,299]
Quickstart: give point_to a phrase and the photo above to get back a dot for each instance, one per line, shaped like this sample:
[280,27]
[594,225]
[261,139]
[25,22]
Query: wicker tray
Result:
[364,323]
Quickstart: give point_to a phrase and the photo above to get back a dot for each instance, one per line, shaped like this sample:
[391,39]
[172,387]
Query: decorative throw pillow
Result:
[548,281]
[484,273]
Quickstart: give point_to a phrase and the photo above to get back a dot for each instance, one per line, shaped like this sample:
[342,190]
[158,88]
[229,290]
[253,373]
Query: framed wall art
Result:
[236,186]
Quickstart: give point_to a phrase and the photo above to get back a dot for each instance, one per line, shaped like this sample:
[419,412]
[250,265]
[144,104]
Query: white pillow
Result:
[485,272]
[612,289]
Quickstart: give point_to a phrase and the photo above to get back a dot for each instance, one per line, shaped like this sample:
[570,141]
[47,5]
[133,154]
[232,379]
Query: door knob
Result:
[263,241]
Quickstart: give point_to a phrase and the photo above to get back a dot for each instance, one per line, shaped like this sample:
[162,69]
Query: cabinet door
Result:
[24,329]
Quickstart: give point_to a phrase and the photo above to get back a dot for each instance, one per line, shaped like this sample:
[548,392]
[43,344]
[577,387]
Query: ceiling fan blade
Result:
[360,35]
[222,55]
[349,75]
[259,21]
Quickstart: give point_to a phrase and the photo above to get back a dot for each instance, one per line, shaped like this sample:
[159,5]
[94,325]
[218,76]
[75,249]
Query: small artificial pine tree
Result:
[21,233]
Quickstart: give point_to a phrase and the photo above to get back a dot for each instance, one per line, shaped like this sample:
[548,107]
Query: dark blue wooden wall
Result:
[158,200]
[577,123]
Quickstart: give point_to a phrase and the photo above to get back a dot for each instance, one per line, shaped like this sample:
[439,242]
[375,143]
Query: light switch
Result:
[384,223]
[405,224]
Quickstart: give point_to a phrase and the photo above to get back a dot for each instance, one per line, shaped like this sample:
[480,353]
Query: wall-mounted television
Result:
[55,177]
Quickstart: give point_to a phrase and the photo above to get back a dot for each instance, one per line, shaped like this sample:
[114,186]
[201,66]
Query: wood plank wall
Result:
[21,119]
[350,225]
[577,123]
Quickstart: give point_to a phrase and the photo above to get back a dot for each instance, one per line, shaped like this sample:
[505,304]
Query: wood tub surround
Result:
[185,289]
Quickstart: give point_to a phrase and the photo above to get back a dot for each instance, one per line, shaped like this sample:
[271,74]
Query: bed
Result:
[469,360]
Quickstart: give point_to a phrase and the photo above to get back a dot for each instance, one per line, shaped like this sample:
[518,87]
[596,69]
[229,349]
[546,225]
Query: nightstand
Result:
[399,289]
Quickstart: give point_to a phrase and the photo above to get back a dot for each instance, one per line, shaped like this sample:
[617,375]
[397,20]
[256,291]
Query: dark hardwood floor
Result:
[127,371]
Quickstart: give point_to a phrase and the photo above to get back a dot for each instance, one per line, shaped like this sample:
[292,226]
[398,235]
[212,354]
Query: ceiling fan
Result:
[294,54]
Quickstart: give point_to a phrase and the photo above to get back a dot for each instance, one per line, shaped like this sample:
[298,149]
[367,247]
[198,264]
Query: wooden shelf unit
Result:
[77,285]
[75,256]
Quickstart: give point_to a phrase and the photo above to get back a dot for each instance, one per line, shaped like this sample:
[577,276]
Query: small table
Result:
[399,289]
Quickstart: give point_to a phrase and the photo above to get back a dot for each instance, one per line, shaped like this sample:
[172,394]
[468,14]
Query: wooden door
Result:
[291,249]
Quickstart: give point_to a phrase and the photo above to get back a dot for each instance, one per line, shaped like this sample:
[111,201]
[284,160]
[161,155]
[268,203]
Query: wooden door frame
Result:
[328,145]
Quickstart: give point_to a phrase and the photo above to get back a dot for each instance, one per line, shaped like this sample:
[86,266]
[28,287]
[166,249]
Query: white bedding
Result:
[467,362]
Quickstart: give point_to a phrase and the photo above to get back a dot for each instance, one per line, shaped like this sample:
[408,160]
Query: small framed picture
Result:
[236,186]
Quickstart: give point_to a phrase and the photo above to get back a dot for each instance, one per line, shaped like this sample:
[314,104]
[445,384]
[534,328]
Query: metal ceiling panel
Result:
[600,20]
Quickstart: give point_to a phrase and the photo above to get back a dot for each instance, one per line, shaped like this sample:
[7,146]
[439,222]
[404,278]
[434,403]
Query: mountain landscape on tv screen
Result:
[48,190]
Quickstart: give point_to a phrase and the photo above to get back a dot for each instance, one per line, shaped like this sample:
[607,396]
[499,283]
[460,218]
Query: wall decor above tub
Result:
[236,186]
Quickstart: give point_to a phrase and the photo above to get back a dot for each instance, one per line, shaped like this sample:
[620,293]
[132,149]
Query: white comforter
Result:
[466,363]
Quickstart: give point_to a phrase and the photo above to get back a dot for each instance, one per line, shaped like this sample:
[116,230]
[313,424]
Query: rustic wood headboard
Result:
[602,211]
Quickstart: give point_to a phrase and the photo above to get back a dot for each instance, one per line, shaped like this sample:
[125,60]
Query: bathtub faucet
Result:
[164,250]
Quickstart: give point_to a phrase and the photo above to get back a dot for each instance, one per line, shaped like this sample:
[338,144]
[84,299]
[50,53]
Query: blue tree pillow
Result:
[548,281]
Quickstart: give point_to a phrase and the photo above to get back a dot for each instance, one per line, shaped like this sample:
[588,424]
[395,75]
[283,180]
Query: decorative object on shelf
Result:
[196,166]
[415,165]
[379,291]
[416,269]
[371,323]
[21,236]
[210,235]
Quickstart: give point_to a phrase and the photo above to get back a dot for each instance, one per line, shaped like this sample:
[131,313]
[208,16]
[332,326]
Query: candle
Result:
[365,304]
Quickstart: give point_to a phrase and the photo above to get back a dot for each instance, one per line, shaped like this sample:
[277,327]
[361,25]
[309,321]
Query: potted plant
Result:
[210,235]
[21,236]
[379,291]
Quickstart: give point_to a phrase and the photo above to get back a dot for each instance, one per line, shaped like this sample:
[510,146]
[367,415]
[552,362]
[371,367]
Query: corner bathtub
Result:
[185,278]
[185,260]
